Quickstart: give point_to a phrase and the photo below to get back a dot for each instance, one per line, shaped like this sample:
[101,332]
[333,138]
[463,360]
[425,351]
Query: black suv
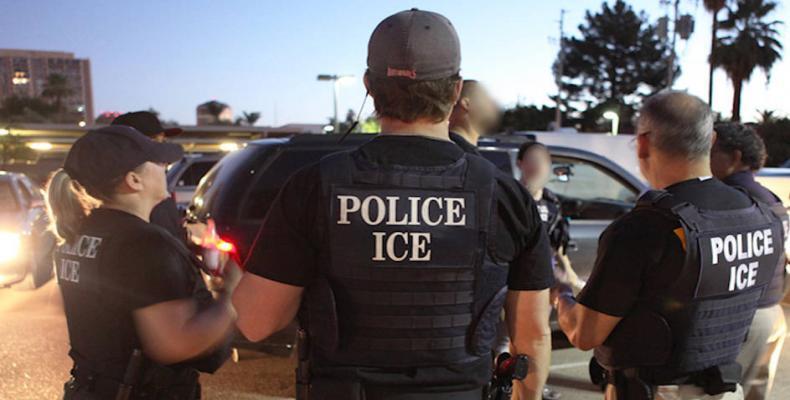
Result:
[232,199]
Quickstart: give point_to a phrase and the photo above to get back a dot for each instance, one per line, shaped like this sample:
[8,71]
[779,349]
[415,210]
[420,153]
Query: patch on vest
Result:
[399,226]
[736,262]
[85,248]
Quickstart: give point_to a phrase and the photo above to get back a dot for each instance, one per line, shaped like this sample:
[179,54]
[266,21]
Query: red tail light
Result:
[212,241]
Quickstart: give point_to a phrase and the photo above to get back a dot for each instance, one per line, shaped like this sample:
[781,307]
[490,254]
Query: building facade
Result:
[25,73]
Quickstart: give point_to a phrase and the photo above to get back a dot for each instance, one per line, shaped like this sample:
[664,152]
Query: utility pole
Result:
[560,68]
[671,72]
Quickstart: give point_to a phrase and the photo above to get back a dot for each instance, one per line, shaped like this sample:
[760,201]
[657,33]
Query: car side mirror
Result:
[563,173]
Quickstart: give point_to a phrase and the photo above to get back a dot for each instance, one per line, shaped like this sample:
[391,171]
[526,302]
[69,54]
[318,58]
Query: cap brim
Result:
[173,132]
[167,153]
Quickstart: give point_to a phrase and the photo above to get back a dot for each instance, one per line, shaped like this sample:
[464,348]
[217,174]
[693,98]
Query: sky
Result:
[264,55]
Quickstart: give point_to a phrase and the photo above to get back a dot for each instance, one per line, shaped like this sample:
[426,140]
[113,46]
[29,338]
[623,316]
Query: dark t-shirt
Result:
[461,142]
[286,249]
[167,216]
[640,255]
[124,264]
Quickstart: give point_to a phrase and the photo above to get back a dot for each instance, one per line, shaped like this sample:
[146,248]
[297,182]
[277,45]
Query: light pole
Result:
[615,118]
[335,79]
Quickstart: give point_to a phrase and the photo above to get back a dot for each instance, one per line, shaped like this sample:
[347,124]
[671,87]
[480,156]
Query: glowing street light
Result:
[4,132]
[228,146]
[40,146]
[336,80]
[612,116]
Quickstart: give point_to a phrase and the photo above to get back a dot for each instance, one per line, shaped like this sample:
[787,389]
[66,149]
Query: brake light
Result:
[225,247]
[213,242]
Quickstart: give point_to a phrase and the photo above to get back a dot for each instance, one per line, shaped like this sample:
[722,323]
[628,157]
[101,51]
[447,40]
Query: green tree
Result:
[714,7]
[618,59]
[57,88]
[527,118]
[250,118]
[751,42]
[776,134]
[25,109]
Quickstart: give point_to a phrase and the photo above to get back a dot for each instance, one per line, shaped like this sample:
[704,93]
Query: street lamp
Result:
[612,116]
[335,79]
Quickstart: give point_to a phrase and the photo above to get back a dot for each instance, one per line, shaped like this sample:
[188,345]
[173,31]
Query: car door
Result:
[592,197]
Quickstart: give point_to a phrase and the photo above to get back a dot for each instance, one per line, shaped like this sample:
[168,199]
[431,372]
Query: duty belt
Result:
[714,380]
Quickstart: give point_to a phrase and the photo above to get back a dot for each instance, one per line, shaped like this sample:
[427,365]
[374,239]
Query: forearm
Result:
[209,327]
[567,317]
[539,352]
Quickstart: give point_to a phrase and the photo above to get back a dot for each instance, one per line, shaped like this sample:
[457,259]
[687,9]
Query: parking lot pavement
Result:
[34,342]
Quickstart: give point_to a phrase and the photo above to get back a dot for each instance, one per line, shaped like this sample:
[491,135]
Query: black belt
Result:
[714,380]
[105,386]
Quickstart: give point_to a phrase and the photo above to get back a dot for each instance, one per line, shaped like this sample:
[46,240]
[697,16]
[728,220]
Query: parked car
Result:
[26,244]
[183,177]
[231,201]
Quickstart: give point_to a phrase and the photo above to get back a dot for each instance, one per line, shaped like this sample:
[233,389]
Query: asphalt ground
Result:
[34,364]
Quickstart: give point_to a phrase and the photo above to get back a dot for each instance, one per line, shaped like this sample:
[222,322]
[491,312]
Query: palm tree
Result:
[251,117]
[751,42]
[57,87]
[714,6]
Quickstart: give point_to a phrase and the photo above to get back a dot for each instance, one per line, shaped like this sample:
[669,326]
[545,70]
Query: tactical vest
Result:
[407,279]
[702,319]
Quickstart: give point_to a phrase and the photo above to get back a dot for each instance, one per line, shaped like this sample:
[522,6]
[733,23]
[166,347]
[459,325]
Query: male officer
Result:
[737,154]
[677,280]
[474,115]
[166,213]
[406,248]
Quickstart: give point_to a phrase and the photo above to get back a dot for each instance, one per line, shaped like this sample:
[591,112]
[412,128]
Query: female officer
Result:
[141,322]
[534,161]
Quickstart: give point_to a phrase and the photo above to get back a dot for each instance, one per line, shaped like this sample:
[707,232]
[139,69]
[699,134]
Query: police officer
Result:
[137,310]
[677,280]
[399,255]
[166,213]
[737,154]
[534,162]
[474,114]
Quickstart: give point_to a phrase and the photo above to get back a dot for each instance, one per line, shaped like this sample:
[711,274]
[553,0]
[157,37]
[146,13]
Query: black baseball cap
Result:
[414,44]
[105,154]
[146,123]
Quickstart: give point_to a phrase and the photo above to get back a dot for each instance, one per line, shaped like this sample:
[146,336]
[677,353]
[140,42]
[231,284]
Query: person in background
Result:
[135,303]
[670,301]
[401,300]
[475,114]
[736,155]
[166,213]
[534,162]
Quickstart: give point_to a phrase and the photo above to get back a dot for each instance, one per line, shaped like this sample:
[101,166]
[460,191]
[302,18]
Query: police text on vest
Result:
[738,248]
[400,246]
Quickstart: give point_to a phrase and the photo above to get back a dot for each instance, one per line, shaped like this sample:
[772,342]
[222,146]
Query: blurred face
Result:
[643,151]
[484,112]
[535,168]
[722,163]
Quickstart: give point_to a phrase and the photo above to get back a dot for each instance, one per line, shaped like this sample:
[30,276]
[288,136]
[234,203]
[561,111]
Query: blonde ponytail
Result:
[67,204]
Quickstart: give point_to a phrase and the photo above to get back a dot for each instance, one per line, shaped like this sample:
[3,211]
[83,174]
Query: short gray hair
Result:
[681,125]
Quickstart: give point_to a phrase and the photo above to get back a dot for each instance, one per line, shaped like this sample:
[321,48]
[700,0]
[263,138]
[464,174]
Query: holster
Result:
[720,379]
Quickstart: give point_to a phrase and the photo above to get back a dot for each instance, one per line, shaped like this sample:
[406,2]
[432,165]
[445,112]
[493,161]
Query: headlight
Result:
[10,244]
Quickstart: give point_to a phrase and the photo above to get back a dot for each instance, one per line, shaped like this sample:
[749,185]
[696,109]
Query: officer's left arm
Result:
[264,306]
[584,327]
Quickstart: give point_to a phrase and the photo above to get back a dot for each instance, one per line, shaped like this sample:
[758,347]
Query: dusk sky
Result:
[265,55]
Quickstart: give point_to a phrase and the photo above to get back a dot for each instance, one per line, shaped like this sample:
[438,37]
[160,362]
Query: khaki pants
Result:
[682,392]
[760,353]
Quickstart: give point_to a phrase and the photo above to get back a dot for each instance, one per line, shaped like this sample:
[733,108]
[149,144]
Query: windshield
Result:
[8,201]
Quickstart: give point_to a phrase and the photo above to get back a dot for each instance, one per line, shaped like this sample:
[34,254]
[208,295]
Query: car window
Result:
[500,158]
[272,178]
[194,173]
[31,190]
[589,191]
[8,201]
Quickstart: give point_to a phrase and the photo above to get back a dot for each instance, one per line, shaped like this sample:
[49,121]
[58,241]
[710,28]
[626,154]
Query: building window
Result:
[20,78]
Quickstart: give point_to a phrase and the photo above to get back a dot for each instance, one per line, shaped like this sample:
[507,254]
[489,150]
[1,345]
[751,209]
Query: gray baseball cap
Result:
[414,44]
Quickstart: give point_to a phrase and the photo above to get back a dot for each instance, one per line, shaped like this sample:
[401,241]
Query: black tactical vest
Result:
[406,278]
[702,319]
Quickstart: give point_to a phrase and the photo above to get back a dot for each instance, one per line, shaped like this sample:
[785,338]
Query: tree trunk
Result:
[737,85]
[714,29]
